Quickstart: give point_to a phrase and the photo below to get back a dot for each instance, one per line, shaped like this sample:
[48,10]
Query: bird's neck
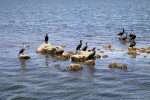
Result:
[24,46]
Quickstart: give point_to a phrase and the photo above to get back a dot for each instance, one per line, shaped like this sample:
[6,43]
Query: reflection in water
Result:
[23,64]
[47,60]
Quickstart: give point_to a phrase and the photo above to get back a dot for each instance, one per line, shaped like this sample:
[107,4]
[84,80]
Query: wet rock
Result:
[122,37]
[112,65]
[98,49]
[81,56]
[24,56]
[101,51]
[105,56]
[133,56]
[132,52]
[138,54]
[107,46]
[142,50]
[62,46]
[131,49]
[122,67]
[71,52]
[54,60]
[56,65]
[137,49]
[66,55]
[148,48]
[97,56]
[46,48]
[89,62]
[88,36]
[148,52]
[74,67]
[90,50]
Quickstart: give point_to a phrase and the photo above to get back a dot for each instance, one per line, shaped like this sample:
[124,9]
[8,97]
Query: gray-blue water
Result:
[67,22]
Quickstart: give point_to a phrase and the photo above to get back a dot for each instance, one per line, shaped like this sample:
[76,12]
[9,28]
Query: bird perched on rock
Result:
[79,46]
[133,37]
[131,34]
[22,50]
[84,49]
[133,43]
[121,33]
[92,54]
[46,38]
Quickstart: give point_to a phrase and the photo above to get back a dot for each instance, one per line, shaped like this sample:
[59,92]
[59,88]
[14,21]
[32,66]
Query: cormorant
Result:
[84,49]
[46,38]
[133,43]
[131,34]
[121,33]
[125,37]
[22,50]
[92,54]
[133,37]
[79,46]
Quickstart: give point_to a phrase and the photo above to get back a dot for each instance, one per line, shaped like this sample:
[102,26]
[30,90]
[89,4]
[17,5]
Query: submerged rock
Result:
[122,67]
[112,65]
[46,48]
[105,56]
[142,50]
[97,56]
[24,56]
[56,65]
[132,53]
[107,46]
[71,52]
[74,67]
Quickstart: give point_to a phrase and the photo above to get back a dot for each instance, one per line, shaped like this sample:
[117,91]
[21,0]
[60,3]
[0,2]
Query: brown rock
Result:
[112,65]
[122,67]
[148,52]
[90,50]
[98,49]
[107,46]
[98,56]
[88,36]
[74,67]
[142,50]
[54,60]
[89,62]
[105,56]
[62,46]
[132,52]
[148,48]
[71,52]
[121,38]
[56,65]
[131,49]
[101,51]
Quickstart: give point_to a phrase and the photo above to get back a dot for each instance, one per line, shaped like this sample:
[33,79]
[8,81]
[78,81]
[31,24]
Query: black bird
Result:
[121,33]
[125,37]
[79,46]
[133,43]
[84,49]
[133,37]
[46,38]
[92,54]
[131,34]
[22,50]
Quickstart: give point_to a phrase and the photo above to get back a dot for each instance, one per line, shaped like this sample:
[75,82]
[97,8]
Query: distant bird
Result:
[22,50]
[133,37]
[79,46]
[92,54]
[84,49]
[133,43]
[46,38]
[125,37]
[121,33]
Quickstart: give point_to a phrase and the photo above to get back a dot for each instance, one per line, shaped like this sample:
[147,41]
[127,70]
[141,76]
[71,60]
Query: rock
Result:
[74,67]
[88,36]
[138,54]
[98,49]
[90,50]
[112,65]
[71,52]
[89,62]
[142,50]
[46,48]
[105,56]
[122,67]
[148,48]
[54,60]
[101,51]
[62,46]
[107,46]
[24,56]
[148,52]
[137,49]
[81,56]
[56,65]
[127,41]
[65,54]
[121,38]
[97,56]
[144,56]
[132,52]
[131,49]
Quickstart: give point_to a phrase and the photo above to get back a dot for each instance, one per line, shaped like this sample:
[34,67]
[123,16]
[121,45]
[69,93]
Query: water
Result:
[67,22]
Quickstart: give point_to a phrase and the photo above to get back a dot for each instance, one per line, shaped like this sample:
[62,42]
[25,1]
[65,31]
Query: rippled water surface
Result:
[67,22]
